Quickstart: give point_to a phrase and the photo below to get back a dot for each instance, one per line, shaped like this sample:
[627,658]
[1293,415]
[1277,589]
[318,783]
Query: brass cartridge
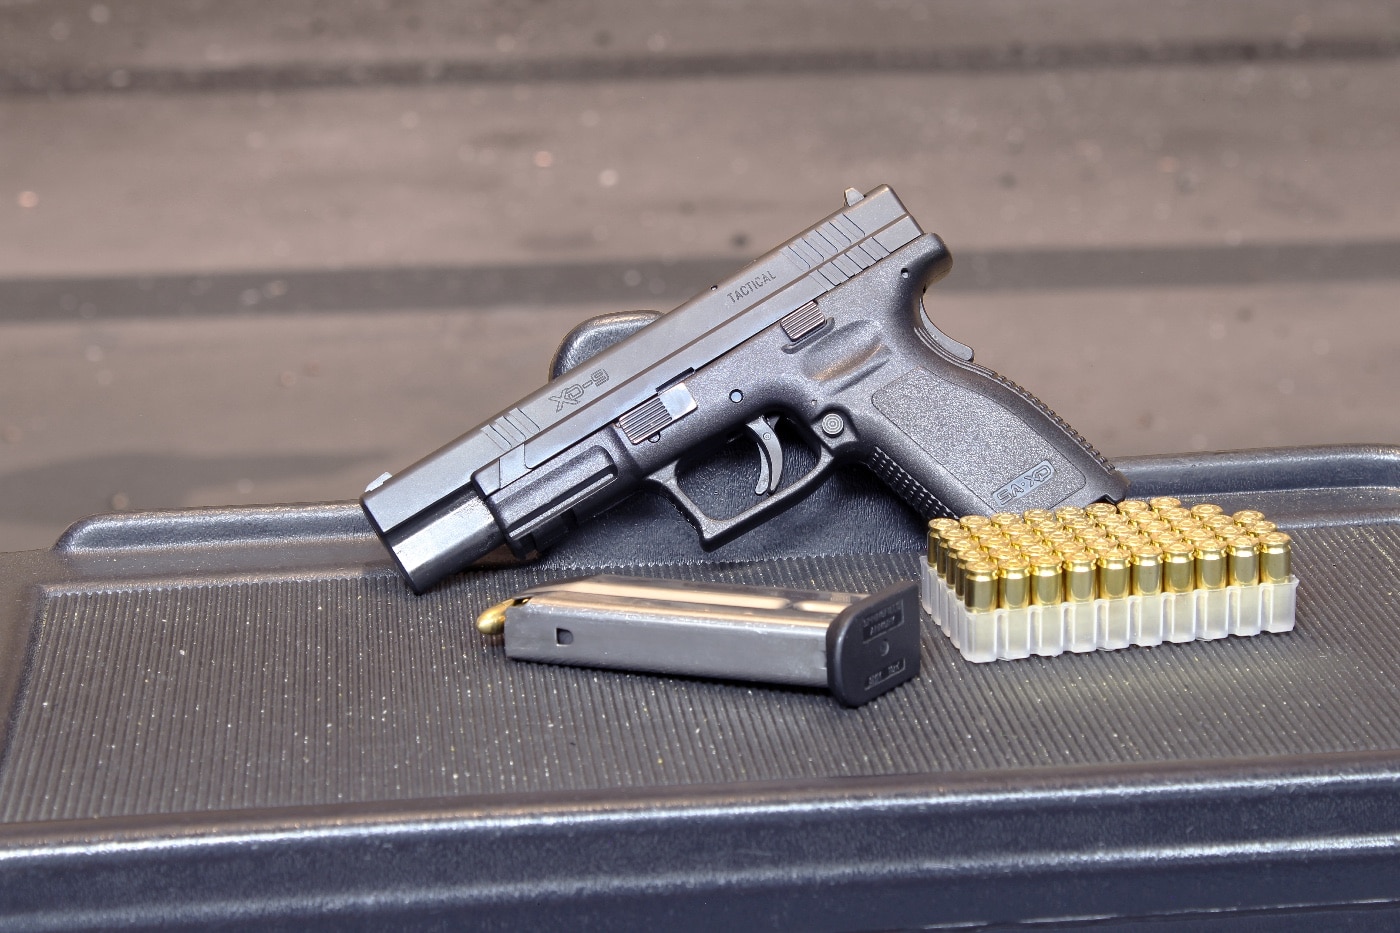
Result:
[1046,580]
[1014,584]
[1243,556]
[1275,557]
[1211,571]
[1178,568]
[1115,574]
[1100,509]
[1037,516]
[1066,512]
[1162,503]
[1002,519]
[945,551]
[1080,578]
[960,555]
[1133,506]
[1147,571]
[980,586]
[1221,522]
[1261,528]
[1206,510]
[973,522]
[1247,517]
[1175,516]
[1154,527]
[938,529]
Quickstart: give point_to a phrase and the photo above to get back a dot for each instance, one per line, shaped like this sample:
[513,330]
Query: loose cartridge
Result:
[1106,577]
[857,646]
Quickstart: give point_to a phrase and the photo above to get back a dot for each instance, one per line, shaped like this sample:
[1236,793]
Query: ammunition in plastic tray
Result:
[1106,577]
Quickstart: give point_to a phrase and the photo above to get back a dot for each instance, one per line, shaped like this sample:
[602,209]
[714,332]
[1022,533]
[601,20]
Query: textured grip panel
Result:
[907,487]
[1049,413]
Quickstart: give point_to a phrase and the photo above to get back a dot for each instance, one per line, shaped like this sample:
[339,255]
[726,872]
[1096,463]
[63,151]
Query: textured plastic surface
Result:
[242,716]
[1107,624]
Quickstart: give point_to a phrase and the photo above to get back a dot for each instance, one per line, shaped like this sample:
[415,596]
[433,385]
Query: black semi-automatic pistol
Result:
[821,351]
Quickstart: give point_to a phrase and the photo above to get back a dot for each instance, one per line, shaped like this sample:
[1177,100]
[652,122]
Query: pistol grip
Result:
[961,439]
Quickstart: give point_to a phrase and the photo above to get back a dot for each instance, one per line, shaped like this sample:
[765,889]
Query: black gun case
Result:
[235,716]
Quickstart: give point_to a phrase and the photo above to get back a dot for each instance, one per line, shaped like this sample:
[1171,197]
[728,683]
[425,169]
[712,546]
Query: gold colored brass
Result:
[972,522]
[1162,503]
[1100,509]
[1147,571]
[1133,506]
[1003,519]
[980,586]
[1178,568]
[1014,584]
[1080,583]
[1247,517]
[1115,574]
[1046,585]
[938,531]
[1175,516]
[493,620]
[1275,557]
[1206,510]
[1243,554]
[1211,565]
[1261,528]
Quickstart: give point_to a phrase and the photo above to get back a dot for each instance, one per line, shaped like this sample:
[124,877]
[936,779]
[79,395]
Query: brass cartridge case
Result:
[1004,555]
[1247,517]
[1243,556]
[1147,571]
[980,586]
[1115,574]
[945,551]
[1014,584]
[1178,568]
[1175,516]
[1162,503]
[1154,526]
[938,529]
[1275,557]
[1220,523]
[1047,586]
[1133,506]
[1081,583]
[1211,565]
[1002,519]
[1065,512]
[1100,509]
[1206,510]
[1037,516]
[962,554]
[973,522]
[1262,527]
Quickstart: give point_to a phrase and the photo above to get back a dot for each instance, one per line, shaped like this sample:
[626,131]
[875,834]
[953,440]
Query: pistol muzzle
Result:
[443,540]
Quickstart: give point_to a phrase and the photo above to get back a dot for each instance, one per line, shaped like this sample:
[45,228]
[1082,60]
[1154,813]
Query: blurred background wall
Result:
[261,252]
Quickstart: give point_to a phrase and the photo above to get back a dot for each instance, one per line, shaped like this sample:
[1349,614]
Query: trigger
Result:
[770,456]
[960,350]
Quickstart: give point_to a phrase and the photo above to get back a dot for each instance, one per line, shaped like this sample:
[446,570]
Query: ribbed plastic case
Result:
[1107,624]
